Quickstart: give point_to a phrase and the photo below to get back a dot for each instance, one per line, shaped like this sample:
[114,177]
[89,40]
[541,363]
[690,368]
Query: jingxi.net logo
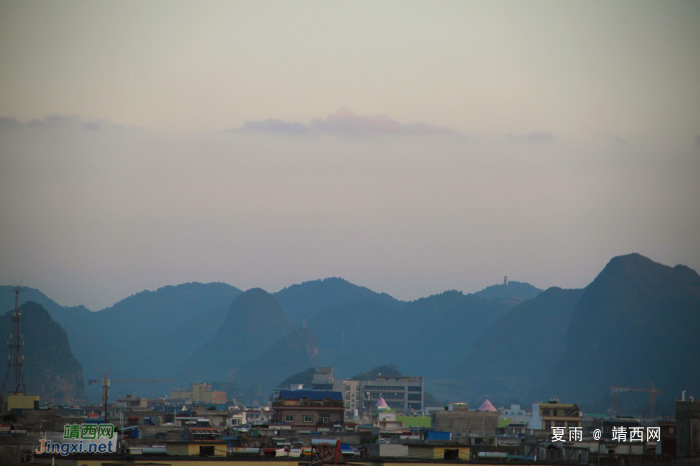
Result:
[82,438]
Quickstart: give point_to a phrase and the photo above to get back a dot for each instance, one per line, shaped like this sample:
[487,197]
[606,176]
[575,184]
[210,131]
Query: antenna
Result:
[15,343]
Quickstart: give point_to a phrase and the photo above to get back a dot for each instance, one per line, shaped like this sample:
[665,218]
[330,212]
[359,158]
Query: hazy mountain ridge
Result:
[420,338]
[506,350]
[637,323]
[135,334]
[303,300]
[50,368]
[515,292]
[59,313]
[509,360]
[254,322]
[296,350]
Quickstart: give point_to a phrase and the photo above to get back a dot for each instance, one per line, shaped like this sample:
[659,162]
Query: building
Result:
[439,451]
[385,418]
[607,425]
[200,393]
[516,415]
[201,448]
[131,402]
[309,410]
[457,417]
[19,401]
[687,433]
[667,432]
[404,394]
[555,414]
[323,380]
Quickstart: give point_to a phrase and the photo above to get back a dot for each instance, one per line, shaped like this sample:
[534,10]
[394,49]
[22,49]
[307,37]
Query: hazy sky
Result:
[410,147]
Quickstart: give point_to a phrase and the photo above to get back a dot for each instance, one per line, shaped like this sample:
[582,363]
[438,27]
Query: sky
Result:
[410,147]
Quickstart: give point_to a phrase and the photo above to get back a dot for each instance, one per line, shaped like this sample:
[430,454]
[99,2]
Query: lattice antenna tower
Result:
[14,380]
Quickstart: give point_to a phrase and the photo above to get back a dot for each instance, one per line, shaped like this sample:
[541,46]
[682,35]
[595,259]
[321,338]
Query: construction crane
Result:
[107,382]
[652,395]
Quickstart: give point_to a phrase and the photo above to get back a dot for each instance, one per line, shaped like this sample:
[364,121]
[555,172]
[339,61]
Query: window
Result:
[288,418]
[308,419]
[559,424]
[324,418]
[414,388]
[573,423]
[414,396]
[206,451]
[393,396]
[547,425]
[545,412]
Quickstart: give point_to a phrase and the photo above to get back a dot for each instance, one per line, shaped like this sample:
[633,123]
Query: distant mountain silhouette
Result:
[304,377]
[50,369]
[372,374]
[287,356]
[637,323]
[422,337]
[138,336]
[516,292]
[306,299]
[254,322]
[511,358]
[59,313]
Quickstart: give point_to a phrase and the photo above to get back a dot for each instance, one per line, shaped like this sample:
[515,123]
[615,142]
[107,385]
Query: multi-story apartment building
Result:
[555,414]
[404,394]
[308,409]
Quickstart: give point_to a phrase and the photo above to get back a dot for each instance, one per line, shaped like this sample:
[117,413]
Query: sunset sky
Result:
[410,147]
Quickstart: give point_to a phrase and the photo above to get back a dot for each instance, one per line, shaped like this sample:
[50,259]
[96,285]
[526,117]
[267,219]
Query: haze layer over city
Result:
[408,147]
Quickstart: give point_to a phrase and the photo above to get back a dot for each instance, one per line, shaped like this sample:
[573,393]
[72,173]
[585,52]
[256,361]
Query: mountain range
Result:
[633,325]
[50,369]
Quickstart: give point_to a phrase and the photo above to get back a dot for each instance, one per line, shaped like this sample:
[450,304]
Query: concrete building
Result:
[19,401]
[555,414]
[457,417]
[199,393]
[132,402]
[323,380]
[688,433]
[309,410]
[404,394]
[384,418]
[516,415]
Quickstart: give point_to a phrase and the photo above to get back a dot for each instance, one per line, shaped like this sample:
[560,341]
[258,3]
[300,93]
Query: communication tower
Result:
[14,380]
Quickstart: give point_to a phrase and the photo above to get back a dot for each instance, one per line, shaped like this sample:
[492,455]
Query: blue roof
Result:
[315,395]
